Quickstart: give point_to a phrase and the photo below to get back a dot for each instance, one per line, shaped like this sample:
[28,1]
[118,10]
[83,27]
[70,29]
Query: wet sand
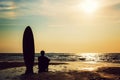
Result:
[62,71]
[6,65]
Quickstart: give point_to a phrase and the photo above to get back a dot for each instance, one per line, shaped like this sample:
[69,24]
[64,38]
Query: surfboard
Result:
[28,49]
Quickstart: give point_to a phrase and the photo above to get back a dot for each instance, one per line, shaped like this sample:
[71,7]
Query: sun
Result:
[89,6]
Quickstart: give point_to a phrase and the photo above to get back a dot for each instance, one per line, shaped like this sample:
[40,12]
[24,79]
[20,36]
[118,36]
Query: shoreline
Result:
[7,65]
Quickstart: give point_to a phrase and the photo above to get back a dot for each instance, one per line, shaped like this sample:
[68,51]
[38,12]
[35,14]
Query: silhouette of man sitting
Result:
[43,62]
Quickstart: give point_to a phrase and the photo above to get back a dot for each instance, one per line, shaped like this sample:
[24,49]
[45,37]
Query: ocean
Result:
[66,57]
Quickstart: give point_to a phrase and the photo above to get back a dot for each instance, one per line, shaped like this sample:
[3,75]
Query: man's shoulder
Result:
[47,58]
[43,57]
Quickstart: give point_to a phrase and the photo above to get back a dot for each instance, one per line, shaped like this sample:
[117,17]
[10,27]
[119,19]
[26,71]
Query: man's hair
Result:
[42,52]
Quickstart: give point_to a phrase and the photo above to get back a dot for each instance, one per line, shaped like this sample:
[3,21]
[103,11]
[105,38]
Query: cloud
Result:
[53,9]
[7,9]
[117,6]
[8,15]
[43,7]
[63,13]
[58,8]
[7,5]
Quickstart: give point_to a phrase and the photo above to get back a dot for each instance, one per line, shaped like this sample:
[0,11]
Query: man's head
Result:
[42,53]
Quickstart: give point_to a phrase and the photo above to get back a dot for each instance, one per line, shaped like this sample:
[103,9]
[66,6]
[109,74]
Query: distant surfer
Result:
[43,62]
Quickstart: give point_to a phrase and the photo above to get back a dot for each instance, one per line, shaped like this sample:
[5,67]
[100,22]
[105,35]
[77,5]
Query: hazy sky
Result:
[74,26]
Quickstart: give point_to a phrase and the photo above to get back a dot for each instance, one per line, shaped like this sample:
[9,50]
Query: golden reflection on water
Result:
[90,63]
[81,66]
[89,56]
[89,69]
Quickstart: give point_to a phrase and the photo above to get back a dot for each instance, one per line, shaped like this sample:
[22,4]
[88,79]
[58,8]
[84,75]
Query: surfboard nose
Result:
[28,27]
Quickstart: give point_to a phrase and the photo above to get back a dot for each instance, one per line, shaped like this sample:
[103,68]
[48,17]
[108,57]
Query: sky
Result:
[70,26]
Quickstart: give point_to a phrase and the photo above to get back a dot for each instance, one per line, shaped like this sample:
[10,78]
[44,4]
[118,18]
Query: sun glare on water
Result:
[88,6]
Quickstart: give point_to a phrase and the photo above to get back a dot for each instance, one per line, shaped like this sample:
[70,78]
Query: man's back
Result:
[43,63]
